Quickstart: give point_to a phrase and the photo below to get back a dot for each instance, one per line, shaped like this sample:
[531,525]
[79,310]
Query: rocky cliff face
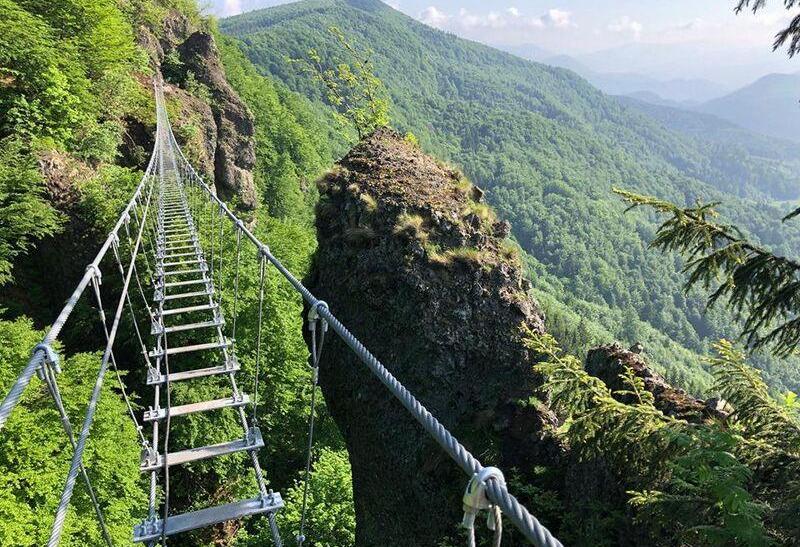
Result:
[416,265]
[225,145]
[235,155]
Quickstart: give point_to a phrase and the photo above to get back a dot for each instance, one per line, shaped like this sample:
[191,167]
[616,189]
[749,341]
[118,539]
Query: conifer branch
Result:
[761,288]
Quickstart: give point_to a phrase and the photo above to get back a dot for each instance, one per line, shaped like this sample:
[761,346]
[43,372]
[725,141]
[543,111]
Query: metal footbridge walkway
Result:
[167,223]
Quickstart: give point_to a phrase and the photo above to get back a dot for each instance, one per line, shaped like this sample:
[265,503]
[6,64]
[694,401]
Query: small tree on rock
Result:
[358,97]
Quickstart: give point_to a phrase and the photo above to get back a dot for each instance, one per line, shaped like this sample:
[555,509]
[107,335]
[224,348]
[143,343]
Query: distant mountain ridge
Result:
[684,91]
[768,106]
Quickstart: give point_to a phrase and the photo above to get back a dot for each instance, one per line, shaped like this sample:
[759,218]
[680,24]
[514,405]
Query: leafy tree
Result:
[24,215]
[356,94]
[35,453]
[331,519]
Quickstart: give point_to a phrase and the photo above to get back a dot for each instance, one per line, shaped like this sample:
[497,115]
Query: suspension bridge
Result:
[164,228]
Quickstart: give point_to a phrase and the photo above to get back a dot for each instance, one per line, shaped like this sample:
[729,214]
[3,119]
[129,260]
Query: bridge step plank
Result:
[255,442]
[232,367]
[190,349]
[190,309]
[202,406]
[209,291]
[194,520]
[189,326]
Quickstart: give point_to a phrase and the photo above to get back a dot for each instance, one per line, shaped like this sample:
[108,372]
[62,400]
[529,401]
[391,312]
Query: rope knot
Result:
[263,250]
[240,224]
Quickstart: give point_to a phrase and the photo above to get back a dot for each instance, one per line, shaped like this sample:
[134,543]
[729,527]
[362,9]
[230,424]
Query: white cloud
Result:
[510,22]
[695,24]
[626,25]
[231,7]
[557,18]
[434,17]
[467,19]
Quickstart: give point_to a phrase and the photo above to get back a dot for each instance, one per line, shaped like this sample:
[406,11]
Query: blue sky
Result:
[694,38]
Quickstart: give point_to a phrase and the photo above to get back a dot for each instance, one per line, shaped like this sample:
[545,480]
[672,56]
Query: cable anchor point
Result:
[475,501]
[51,359]
[96,273]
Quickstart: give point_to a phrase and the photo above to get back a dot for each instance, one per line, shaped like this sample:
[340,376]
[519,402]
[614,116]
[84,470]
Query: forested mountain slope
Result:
[773,164]
[548,147]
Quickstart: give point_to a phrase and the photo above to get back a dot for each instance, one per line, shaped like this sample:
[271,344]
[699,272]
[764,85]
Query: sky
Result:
[706,29]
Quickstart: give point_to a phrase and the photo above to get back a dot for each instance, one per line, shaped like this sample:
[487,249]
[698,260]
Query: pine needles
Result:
[717,483]
[761,288]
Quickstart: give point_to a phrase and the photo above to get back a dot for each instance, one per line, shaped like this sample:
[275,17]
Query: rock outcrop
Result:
[610,361]
[226,152]
[418,268]
[235,155]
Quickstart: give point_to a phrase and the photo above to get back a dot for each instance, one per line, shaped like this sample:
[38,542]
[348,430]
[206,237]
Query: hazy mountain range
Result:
[768,105]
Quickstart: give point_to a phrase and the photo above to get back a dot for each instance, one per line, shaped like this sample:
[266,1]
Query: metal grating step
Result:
[156,328]
[208,292]
[151,531]
[190,309]
[165,273]
[156,353]
[154,462]
[197,253]
[183,263]
[202,406]
[186,283]
[231,366]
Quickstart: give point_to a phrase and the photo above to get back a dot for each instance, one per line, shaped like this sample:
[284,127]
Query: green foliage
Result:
[331,519]
[771,434]
[688,484]
[411,139]
[292,147]
[104,195]
[54,58]
[35,453]
[706,499]
[599,425]
[197,89]
[24,215]
[358,97]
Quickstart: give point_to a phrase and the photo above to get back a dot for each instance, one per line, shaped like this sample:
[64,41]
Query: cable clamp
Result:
[314,315]
[475,499]
[263,250]
[50,358]
[240,224]
[96,273]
